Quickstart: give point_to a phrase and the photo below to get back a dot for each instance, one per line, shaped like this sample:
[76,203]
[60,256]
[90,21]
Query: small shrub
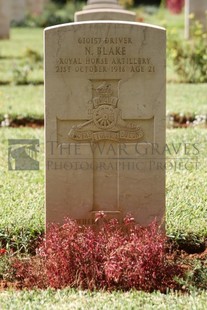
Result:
[21,73]
[189,57]
[53,14]
[33,55]
[20,241]
[126,3]
[196,275]
[175,6]
[113,256]
[6,269]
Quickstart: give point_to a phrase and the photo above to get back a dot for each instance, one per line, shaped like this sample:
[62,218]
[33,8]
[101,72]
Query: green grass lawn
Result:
[186,192]
[83,300]
[15,54]
[22,100]
[187,98]
[21,39]
[21,192]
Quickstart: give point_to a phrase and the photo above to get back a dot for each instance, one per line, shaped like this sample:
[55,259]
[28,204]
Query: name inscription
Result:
[106,55]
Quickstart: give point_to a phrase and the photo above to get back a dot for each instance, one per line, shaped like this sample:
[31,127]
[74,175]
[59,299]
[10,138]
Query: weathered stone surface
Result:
[104,10]
[5,17]
[95,4]
[195,10]
[104,14]
[105,121]
[18,10]
[35,7]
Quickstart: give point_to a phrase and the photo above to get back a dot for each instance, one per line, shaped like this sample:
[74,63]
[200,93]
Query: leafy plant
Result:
[175,6]
[6,270]
[196,275]
[126,3]
[21,73]
[22,241]
[53,14]
[189,57]
[33,55]
[115,256]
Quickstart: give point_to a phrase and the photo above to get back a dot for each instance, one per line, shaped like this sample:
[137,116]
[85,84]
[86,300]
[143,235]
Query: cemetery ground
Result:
[22,193]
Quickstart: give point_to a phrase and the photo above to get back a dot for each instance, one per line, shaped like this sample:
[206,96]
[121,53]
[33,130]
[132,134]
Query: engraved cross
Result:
[105,130]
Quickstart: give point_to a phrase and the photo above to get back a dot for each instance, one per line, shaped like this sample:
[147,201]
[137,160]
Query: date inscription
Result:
[105,55]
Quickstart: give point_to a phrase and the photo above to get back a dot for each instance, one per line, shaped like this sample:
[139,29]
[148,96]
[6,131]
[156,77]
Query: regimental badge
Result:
[105,118]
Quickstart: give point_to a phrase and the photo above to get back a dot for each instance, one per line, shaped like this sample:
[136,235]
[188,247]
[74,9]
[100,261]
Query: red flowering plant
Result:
[3,251]
[6,270]
[108,256]
[175,6]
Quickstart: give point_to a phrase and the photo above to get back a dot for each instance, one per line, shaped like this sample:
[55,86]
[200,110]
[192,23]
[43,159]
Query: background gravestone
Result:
[18,10]
[5,17]
[22,7]
[35,7]
[105,121]
[198,8]
[104,10]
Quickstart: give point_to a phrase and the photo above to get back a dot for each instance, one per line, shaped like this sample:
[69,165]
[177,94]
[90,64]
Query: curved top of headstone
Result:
[102,4]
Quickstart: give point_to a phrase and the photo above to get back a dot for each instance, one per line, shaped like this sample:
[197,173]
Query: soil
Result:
[27,122]
[178,121]
[182,121]
[9,285]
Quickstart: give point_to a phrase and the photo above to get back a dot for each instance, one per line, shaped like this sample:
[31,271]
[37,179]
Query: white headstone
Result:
[195,10]
[18,10]
[35,7]
[105,121]
[5,17]
[104,10]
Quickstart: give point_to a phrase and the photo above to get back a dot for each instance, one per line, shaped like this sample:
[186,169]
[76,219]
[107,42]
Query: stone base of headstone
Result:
[5,16]
[92,4]
[104,14]
[107,10]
